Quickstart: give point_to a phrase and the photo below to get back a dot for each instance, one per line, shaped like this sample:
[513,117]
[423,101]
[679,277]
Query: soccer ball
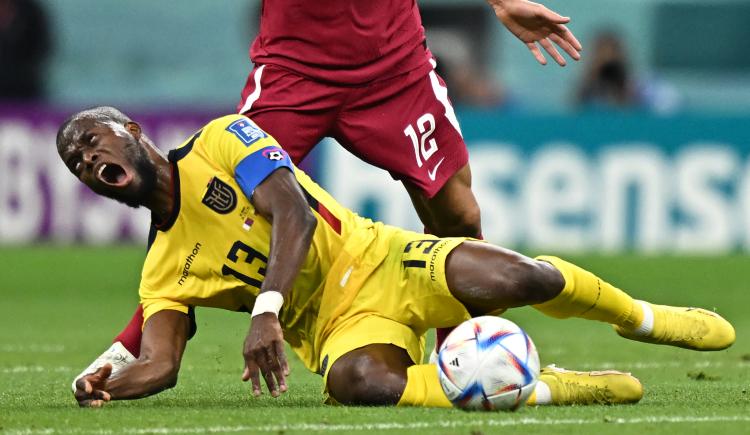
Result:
[488,363]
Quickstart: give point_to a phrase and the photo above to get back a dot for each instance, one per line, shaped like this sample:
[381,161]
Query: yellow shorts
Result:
[406,295]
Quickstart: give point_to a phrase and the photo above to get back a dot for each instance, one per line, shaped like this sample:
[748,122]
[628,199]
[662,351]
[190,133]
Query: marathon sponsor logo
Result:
[188,263]
[434,258]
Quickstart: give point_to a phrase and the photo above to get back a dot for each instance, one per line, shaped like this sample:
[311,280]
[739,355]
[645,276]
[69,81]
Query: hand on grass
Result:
[90,388]
[264,354]
[534,24]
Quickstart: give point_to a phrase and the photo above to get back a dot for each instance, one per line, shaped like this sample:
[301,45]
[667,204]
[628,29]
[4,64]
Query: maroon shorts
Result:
[405,125]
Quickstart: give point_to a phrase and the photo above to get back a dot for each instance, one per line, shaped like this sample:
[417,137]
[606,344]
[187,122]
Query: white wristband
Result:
[268,302]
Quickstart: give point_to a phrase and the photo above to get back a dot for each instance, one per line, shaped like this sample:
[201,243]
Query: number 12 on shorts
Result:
[424,145]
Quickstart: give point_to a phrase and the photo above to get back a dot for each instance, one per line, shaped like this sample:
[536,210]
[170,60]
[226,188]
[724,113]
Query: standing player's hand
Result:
[264,352]
[90,388]
[534,24]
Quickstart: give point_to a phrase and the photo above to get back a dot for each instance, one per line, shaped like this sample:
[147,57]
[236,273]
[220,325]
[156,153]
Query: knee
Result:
[465,221]
[541,282]
[365,380]
[531,281]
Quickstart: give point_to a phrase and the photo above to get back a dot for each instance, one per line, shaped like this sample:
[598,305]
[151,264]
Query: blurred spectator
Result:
[609,81]
[468,81]
[459,37]
[24,47]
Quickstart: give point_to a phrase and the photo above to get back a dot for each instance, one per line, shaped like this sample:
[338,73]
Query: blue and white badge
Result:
[246,131]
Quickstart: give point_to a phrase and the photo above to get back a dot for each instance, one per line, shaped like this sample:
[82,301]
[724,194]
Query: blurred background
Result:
[642,146]
[634,161]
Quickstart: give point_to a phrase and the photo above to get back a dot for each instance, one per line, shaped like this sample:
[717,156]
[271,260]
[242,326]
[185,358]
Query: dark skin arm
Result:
[280,200]
[163,343]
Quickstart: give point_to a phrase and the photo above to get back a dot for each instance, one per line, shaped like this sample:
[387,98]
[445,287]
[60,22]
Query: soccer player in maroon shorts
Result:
[361,73]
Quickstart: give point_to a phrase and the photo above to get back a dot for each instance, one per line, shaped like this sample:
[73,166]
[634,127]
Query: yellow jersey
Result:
[213,249]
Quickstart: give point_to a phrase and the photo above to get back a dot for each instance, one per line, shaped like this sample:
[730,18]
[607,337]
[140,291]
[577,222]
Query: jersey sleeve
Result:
[245,151]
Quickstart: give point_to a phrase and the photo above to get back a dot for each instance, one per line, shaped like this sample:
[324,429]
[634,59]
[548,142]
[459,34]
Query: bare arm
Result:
[281,201]
[164,339]
[533,24]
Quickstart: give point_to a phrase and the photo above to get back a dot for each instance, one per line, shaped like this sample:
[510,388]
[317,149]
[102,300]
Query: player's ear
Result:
[135,129]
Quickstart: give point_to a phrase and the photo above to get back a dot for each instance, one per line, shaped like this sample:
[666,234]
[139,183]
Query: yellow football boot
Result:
[569,387]
[691,328]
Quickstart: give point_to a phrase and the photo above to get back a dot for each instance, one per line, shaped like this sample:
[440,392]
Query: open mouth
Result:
[112,174]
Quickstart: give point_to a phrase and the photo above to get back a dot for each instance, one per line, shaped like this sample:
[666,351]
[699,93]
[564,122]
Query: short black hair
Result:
[100,114]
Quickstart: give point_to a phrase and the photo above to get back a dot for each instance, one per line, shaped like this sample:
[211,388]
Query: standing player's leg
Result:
[452,211]
[407,126]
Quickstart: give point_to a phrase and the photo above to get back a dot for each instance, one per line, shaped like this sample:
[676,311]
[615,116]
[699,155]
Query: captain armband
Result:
[268,302]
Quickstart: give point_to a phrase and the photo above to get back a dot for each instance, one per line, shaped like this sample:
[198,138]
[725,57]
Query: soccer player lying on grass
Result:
[236,226]
[312,69]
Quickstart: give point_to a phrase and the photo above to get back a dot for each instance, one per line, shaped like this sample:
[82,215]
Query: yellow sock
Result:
[588,297]
[423,388]
[531,401]
[542,395]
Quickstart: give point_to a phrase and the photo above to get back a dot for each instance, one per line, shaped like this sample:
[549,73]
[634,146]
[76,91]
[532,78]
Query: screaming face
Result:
[110,160]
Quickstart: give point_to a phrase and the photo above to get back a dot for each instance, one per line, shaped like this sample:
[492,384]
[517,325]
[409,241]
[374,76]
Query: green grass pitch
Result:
[60,307]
